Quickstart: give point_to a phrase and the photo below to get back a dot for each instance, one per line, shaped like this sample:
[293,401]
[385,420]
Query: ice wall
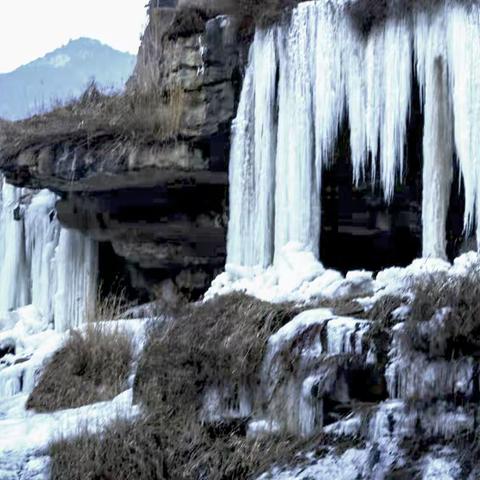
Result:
[309,73]
[43,264]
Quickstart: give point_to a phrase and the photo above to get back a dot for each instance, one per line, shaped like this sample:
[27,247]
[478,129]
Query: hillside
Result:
[62,74]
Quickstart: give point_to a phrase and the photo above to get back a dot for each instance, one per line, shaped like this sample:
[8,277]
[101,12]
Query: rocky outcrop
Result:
[159,199]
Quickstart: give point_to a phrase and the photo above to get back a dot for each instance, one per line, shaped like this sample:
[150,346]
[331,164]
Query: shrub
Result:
[444,315]
[92,366]
[149,449]
[215,343]
[220,341]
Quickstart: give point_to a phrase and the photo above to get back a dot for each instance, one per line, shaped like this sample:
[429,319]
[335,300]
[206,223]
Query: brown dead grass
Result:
[141,117]
[459,332]
[217,342]
[92,366]
[150,449]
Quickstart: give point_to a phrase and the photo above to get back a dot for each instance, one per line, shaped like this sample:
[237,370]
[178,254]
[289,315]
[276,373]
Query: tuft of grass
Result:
[444,318]
[124,450]
[92,366]
[112,306]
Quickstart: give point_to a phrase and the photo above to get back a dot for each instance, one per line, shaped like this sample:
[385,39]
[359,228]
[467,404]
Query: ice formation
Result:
[326,70]
[42,264]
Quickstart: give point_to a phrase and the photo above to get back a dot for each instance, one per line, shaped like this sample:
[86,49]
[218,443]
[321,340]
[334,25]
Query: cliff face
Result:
[158,195]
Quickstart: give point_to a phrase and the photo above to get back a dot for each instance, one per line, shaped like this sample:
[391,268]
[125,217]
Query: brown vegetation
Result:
[212,344]
[452,308]
[149,449]
[92,366]
[218,342]
[142,117]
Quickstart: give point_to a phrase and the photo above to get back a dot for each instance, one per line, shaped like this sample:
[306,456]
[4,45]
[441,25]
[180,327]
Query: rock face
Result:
[162,203]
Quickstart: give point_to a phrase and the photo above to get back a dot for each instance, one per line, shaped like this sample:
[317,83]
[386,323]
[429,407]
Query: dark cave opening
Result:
[360,230]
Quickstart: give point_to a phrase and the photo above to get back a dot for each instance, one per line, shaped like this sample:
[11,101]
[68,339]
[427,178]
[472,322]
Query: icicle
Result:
[42,230]
[432,74]
[14,277]
[397,94]
[464,64]
[76,264]
[297,196]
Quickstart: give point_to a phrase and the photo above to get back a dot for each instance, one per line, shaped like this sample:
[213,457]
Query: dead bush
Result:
[150,449]
[92,366]
[444,318]
[124,451]
[210,344]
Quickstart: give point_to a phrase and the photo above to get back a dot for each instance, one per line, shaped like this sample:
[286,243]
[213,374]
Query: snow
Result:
[350,465]
[25,435]
[296,276]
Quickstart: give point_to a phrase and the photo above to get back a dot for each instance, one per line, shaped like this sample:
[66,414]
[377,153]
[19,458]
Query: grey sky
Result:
[31,28]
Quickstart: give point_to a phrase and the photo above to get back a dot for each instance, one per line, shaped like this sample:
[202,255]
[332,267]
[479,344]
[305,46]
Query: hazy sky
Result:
[31,28]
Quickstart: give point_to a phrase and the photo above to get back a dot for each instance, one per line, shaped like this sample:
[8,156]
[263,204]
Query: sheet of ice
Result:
[13,262]
[297,372]
[441,465]
[412,375]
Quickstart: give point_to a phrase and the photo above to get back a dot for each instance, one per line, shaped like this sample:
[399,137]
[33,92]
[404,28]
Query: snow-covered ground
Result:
[299,277]
[25,435]
[317,342]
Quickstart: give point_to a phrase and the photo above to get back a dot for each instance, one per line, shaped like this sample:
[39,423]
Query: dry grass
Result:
[112,306]
[149,449]
[215,343]
[123,451]
[142,117]
[92,366]
[261,12]
[456,331]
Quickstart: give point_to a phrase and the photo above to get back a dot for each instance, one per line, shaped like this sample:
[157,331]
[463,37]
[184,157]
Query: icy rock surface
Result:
[393,411]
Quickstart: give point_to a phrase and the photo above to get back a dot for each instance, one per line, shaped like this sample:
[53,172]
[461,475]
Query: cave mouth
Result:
[360,230]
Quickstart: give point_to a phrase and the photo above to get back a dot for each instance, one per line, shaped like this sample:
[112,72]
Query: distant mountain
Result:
[60,75]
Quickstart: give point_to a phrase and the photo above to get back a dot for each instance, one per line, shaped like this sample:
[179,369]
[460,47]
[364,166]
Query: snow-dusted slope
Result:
[60,75]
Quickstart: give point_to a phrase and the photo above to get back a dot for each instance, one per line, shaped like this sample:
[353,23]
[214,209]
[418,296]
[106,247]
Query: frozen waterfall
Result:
[308,74]
[42,264]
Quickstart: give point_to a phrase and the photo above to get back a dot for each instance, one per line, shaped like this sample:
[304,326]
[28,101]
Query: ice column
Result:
[42,231]
[76,265]
[463,36]
[252,161]
[14,275]
[432,74]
